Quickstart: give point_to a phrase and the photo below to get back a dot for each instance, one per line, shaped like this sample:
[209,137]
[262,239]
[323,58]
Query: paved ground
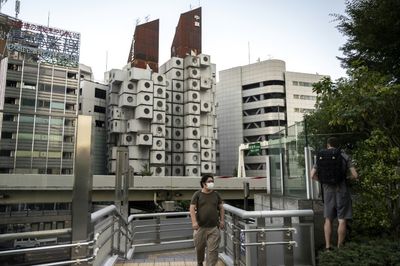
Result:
[185,257]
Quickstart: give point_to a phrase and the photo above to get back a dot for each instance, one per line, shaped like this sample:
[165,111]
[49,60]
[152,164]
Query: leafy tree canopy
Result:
[373,30]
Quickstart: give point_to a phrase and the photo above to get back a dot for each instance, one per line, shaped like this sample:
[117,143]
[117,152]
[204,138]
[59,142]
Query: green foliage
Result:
[372,28]
[183,205]
[366,252]
[146,170]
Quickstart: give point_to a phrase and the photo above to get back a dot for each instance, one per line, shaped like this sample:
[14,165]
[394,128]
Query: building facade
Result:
[254,102]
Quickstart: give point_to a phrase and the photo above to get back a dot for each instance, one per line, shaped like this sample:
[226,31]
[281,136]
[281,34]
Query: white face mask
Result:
[210,185]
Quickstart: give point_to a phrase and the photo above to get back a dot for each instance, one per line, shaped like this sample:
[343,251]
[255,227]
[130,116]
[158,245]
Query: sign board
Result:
[254,148]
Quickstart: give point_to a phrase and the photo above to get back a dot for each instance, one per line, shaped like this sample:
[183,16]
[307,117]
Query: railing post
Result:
[121,171]
[158,229]
[236,240]
[82,229]
[288,254]
[261,250]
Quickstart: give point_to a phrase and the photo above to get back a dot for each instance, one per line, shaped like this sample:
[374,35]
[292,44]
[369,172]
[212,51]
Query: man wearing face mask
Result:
[207,214]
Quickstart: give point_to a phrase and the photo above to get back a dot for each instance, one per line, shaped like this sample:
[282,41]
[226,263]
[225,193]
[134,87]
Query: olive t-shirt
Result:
[207,211]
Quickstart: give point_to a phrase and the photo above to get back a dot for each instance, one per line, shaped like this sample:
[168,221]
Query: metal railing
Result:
[268,237]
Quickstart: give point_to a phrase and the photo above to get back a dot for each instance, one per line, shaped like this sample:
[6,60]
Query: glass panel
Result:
[57,105]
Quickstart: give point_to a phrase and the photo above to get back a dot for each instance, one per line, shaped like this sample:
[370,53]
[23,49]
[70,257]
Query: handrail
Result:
[262,214]
[5,237]
[159,214]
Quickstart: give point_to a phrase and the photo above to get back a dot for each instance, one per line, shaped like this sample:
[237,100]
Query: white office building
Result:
[254,102]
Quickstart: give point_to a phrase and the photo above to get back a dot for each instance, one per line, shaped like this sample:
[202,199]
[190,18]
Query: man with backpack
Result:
[207,215]
[331,170]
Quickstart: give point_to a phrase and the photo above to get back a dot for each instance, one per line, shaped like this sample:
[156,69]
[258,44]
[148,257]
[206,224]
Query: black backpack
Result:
[331,168]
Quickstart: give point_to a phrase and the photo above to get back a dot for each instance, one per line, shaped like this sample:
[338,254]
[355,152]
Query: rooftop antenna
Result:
[48,19]
[146,18]
[17,8]
[1,3]
[106,60]
[137,21]
[190,6]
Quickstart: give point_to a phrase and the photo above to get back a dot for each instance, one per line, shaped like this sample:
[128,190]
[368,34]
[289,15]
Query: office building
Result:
[255,102]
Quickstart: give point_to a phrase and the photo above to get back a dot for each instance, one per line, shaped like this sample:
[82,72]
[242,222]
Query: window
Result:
[28,102]
[99,109]
[80,91]
[57,105]
[100,123]
[101,94]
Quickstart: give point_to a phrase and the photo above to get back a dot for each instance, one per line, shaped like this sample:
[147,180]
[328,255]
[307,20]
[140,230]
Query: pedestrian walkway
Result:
[184,257]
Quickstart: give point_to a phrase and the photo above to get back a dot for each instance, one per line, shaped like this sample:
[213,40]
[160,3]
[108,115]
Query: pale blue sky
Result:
[300,32]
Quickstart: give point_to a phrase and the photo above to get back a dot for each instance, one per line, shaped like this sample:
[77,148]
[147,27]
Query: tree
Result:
[373,30]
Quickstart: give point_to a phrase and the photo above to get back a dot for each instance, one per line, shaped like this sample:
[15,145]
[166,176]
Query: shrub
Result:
[364,252]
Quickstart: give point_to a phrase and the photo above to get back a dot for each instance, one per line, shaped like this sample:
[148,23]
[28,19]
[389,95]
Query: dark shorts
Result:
[337,204]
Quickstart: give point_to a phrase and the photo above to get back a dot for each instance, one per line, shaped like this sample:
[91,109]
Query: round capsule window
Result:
[195,145]
[205,105]
[159,103]
[194,83]
[158,156]
[206,154]
[146,111]
[194,95]
[177,146]
[147,84]
[177,121]
[206,141]
[195,158]
[178,73]
[128,138]
[178,109]
[194,132]
[206,166]
[160,78]
[129,99]
[178,85]
[194,60]
[147,98]
[159,91]
[159,130]
[130,86]
[195,171]
[158,170]
[159,116]
[177,158]
[178,171]
[177,133]
[195,120]
[205,59]
[194,72]
[146,137]
[194,108]
[178,62]
[178,97]
[159,143]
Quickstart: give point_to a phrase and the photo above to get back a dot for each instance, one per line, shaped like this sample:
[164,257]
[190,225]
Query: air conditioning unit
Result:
[191,158]
[213,145]
[191,145]
[206,142]
[177,170]
[126,139]
[157,157]
[192,133]
[138,165]
[159,92]
[174,74]
[177,121]
[158,144]
[174,62]
[192,109]
[168,133]
[191,61]
[128,87]
[177,133]
[177,97]
[138,152]
[138,125]
[177,85]
[117,126]
[113,99]
[158,117]
[159,104]
[144,112]
[177,158]
[168,170]
[192,170]
[114,112]
[205,107]
[158,130]
[192,73]
[205,83]
[192,84]
[145,86]
[135,73]
[204,60]
[177,146]
[168,120]
[168,145]
[127,100]
[168,108]
[159,79]
[144,139]
[168,159]
[191,121]
[116,75]
[206,154]
[177,109]
[206,168]
[168,96]
[191,96]
[144,98]
[158,170]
